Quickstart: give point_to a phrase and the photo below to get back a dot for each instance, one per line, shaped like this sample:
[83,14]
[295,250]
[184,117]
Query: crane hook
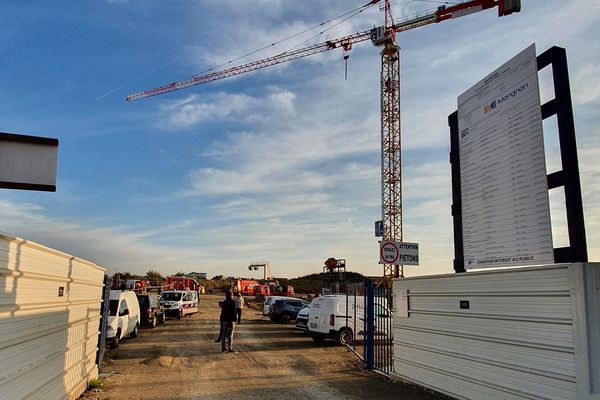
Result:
[346,57]
[347,47]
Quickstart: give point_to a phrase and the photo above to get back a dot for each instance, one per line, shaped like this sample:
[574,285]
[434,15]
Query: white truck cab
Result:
[123,318]
[333,317]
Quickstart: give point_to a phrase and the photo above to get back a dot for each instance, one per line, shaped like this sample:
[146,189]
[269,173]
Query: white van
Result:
[123,318]
[178,303]
[270,300]
[330,317]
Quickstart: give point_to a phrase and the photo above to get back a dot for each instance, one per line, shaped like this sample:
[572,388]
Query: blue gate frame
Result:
[376,348]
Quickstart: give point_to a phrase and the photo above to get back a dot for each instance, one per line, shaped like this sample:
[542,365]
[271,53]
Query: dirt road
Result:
[179,360]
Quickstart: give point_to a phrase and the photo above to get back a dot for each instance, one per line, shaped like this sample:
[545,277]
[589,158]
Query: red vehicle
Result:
[278,290]
[273,289]
[289,290]
[262,290]
[244,286]
[182,283]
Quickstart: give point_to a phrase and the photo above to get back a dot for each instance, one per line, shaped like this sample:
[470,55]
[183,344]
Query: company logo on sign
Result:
[492,106]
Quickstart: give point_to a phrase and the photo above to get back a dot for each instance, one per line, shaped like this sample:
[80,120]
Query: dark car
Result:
[283,311]
[151,312]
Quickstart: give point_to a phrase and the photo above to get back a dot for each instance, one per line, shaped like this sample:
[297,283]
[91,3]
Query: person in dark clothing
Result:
[217,340]
[228,316]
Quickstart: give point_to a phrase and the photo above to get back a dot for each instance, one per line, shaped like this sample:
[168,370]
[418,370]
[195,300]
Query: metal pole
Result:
[368,325]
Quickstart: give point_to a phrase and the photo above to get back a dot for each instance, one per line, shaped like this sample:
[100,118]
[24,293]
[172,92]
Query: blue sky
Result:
[280,164]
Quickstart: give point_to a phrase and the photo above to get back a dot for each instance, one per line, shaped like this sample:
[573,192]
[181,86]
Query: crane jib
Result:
[343,42]
[377,35]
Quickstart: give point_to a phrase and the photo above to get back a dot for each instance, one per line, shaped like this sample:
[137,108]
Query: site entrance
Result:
[369,321]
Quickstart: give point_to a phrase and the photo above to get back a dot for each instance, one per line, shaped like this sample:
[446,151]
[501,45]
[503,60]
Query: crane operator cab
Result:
[378,36]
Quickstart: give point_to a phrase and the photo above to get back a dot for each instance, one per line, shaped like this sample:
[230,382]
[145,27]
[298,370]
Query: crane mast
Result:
[391,143]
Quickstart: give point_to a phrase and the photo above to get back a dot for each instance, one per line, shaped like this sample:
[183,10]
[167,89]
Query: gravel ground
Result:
[179,360]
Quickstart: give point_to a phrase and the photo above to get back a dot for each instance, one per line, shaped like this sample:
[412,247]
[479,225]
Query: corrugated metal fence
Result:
[524,333]
[49,314]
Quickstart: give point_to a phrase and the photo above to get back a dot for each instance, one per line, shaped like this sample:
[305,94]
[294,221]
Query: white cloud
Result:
[191,110]
[110,247]
[586,85]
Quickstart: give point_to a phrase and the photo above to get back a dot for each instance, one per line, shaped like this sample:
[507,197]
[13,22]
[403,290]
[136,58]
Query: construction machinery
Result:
[384,37]
[255,265]
[334,276]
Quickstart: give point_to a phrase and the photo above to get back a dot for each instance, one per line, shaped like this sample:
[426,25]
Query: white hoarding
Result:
[505,211]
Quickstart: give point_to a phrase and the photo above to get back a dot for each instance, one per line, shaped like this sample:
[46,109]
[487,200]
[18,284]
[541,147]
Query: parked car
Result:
[151,311]
[123,317]
[270,300]
[178,303]
[302,319]
[332,317]
[284,311]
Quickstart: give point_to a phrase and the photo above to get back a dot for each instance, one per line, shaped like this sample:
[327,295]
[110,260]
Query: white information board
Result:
[505,210]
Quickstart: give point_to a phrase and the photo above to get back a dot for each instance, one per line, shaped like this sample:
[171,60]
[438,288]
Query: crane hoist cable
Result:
[361,9]
[354,12]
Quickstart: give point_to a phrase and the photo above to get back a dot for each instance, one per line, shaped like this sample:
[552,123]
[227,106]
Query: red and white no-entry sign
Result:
[388,253]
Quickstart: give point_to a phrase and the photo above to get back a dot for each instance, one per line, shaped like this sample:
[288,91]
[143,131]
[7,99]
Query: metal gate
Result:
[372,342]
[355,316]
[103,320]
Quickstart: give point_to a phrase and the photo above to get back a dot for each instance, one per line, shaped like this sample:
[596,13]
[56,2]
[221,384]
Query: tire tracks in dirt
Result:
[180,360]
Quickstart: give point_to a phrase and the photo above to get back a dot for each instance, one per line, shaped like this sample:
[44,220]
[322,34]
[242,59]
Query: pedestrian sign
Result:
[398,253]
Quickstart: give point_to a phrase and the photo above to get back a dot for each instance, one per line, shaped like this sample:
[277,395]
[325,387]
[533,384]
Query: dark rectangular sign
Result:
[28,162]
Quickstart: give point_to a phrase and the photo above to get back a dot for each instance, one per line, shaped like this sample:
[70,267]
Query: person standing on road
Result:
[239,304]
[228,316]
[220,324]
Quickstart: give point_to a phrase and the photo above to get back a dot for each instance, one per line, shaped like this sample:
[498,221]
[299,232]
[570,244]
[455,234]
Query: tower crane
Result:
[385,37]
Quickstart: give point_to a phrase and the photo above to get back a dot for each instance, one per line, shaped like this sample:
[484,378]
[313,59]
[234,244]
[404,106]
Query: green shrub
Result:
[95,383]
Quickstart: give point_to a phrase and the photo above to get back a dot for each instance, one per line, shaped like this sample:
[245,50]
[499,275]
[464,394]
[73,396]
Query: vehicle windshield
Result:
[171,296]
[112,307]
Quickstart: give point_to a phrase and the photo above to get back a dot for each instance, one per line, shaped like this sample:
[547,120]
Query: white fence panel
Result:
[526,333]
[49,315]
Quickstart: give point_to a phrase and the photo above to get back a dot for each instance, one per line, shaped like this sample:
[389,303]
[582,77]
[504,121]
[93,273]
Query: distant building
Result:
[198,275]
